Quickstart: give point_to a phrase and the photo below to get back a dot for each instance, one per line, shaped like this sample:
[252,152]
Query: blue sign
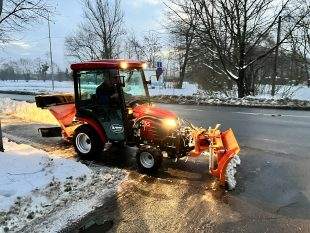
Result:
[159,69]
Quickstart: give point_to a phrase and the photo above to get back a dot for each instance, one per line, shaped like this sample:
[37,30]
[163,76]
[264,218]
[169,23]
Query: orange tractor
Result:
[111,103]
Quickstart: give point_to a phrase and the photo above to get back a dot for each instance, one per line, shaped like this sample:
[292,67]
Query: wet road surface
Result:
[272,195]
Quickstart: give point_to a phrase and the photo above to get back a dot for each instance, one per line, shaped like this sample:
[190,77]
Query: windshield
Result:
[134,85]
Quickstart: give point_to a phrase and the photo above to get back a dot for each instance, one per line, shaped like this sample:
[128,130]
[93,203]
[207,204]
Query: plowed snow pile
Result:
[43,193]
[26,111]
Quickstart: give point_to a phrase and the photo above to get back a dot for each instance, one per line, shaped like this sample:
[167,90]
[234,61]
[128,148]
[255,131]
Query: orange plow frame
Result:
[221,148]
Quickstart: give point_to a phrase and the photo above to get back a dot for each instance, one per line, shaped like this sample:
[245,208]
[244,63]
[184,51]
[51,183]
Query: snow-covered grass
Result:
[291,92]
[24,169]
[36,86]
[26,111]
[233,101]
[187,90]
[283,92]
[44,193]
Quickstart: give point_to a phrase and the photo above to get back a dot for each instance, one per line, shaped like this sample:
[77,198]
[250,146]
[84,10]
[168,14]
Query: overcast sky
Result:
[140,16]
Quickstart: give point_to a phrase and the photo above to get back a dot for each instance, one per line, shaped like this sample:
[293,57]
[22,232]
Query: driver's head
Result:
[106,82]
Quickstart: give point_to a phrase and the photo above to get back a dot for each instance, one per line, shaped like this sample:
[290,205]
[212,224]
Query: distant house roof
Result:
[106,64]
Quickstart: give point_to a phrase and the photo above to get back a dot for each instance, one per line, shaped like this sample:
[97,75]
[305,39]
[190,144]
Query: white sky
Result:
[140,17]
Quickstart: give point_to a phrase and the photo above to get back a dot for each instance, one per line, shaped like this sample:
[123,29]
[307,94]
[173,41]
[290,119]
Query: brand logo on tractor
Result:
[115,128]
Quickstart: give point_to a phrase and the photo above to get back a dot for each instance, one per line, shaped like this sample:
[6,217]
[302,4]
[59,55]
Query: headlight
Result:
[124,65]
[130,111]
[144,66]
[170,123]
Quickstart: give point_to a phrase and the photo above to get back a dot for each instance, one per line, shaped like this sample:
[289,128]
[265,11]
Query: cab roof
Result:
[107,64]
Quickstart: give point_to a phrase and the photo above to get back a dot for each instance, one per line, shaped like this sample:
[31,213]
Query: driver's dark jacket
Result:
[104,93]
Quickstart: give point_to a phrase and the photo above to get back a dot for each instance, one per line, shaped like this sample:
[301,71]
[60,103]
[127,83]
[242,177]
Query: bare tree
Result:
[136,46]
[183,33]
[98,36]
[18,14]
[151,48]
[230,30]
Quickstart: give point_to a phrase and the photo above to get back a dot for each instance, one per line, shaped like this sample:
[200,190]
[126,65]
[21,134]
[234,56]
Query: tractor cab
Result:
[106,91]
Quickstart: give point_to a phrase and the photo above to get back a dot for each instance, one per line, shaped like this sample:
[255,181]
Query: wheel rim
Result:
[83,143]
[147,160]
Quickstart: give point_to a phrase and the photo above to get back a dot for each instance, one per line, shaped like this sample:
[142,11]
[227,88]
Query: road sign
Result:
[159,70]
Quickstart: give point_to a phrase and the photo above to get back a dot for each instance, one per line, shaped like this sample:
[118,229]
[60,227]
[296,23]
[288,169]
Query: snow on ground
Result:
[23,168]
[291,92]
[187,90]
[43,193]
[26,111]
[287,97]
[284,95]
[283,92]
[36,86]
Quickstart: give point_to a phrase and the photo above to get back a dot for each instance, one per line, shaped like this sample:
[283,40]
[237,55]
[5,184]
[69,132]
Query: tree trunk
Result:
[182,75]
[240,83]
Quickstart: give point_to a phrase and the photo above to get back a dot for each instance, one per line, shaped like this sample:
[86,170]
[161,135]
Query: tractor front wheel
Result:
[149,159]
[86,142]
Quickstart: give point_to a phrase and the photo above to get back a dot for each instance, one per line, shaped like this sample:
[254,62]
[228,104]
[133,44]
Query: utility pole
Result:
[51,54]
[1,139]
[1,4]
[276,56]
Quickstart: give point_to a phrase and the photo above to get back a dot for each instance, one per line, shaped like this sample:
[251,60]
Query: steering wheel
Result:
[134,103]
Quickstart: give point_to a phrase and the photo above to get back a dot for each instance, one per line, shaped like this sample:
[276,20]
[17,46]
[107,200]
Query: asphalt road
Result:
[275,148]
[272,194]
[284,131]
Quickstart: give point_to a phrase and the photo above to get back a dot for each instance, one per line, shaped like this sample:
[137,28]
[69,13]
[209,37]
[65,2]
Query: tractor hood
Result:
[152,110]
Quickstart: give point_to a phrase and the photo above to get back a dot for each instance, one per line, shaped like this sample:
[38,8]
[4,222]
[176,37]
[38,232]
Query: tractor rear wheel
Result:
[149,159]
[87,142]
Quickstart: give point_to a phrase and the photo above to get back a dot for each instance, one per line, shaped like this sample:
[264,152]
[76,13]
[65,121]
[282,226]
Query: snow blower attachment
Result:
[111,103]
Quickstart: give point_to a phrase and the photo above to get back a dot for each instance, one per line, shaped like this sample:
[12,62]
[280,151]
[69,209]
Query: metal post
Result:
[1,140]
[51,54]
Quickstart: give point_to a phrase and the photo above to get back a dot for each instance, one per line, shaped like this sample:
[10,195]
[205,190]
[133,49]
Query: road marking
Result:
[193,109]
[253,113]
[271,114]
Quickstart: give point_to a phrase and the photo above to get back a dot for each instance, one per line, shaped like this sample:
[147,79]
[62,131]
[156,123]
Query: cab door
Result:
[97,97]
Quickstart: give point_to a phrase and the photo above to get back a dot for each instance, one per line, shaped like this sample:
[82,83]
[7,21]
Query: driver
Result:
[106,93]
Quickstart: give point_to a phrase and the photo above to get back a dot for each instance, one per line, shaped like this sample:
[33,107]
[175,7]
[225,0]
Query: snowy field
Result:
[36,87]
[294,92]
[43,193]
[67,87]
[187,90]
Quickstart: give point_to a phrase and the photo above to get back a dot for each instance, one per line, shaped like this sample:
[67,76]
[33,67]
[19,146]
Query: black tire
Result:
[155,158]
[93,140]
